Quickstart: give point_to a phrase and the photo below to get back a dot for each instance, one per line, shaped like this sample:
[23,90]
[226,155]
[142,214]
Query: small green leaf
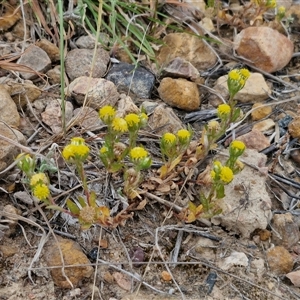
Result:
[55,207]
[81,201]
[93,198]
[74,209]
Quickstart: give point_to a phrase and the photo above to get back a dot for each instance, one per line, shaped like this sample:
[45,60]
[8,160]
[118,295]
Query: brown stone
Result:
[264,125]
[294,127]
[254,140]
[280,260]
[294,277]
[263,47]
[260,112]
[166,276]
[285,230]
[189,48]
[72,255]
[164,120]
[51,49]
[35,58]
[179,93]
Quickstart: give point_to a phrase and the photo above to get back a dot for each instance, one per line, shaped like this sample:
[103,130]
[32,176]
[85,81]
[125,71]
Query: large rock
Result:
[263,46]
[8,109]
[164,120]
[138,80]
[79,62]
[72,255]
[179,93]
[255,89]
[247,204]
[35,58]
[189,47]
[99,91]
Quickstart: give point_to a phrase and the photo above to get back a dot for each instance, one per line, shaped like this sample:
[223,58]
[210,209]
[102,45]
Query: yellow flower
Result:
[238,145]
[234,74]
[132,120]
[213,125]
[79,151]
[226,175]
[245,73]
[271,3]
[41,191]
[241,82]
[40,178]
[281,10]
[107,113]
[119,125]
[169,138]
[183,134]
[138,153]
[103,150]
[223,110]
[77,141]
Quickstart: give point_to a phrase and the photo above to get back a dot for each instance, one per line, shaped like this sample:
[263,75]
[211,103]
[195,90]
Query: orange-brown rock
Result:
[260,111]
[179,93]
[263,47]
[255,140]
[280,260]
[72,255]
[294,127]
[187,47]
[285,230]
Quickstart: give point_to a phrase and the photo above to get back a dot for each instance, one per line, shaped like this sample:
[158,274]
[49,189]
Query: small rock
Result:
[54,75]
[8,249]
[13,220]
[88,41]
[264,235]
[207,24]
[99,91]
[166,276]
[138,80]
[180,68]
[164,120]
[122,280]
[294,277]
[294,127]
[255,89]
[20,92]
[280,260]
[51,49]
[258,267]
[9,152]
[285,230]
[179,93]
[52,116]
[235,259]
[263,47]
[295,156]
[264,125]
[149,106]
[189,48]
[247,204]
[79,62]
[260,112]
[126,106]
[8,109]
[72,255]
[255,140]
[35,58]
[87,118]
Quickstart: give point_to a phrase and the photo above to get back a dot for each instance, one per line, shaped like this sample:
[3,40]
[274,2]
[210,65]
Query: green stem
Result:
[80,170]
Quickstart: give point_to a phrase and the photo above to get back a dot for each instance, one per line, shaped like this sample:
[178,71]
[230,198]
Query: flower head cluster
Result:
[119,125]
[172,145]
[221,173]
[39,185]
[280,13]
[223,110]
[236,80]
[76,150]
[140,158]
[107,114]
